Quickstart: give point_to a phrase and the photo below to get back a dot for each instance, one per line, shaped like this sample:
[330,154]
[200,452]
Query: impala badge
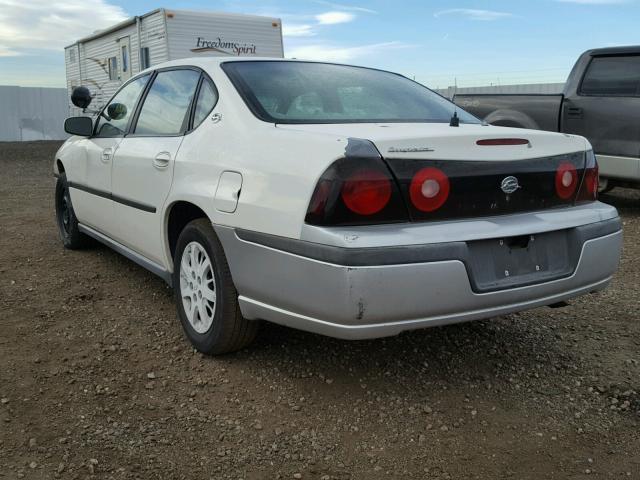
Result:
[409,149]
[509,184]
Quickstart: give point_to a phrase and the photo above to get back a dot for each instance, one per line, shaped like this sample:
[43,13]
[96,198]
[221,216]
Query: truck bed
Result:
[536,111]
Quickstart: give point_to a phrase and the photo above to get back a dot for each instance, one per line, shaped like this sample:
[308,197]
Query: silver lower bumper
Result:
[358,302]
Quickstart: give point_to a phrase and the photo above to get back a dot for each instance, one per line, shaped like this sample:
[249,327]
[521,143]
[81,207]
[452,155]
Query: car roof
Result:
[623,50]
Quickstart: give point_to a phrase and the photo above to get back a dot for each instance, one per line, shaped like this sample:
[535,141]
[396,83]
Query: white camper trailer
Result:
[104,60]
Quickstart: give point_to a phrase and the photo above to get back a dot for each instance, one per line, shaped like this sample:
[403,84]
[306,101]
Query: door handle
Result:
[162,160]
[107,153]
[574,112]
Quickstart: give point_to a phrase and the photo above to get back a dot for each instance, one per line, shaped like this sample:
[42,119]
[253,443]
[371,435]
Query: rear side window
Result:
[165,109]
[207,99]
[612,76]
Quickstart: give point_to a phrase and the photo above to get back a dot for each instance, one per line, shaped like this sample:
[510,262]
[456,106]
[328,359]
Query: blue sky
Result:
[473,42]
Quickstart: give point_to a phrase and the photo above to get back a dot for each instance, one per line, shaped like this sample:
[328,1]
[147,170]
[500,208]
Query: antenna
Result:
[455,121]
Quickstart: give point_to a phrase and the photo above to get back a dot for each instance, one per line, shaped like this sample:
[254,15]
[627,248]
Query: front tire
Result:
[206,298]
[70,234]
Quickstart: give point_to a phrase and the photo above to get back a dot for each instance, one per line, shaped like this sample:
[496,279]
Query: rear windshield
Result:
[305,92]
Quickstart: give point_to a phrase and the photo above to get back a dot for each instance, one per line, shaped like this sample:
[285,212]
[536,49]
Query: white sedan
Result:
[341,200]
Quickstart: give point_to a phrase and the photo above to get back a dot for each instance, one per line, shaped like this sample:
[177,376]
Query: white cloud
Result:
[339,6]
[297,30]
[46,25]
[332,18]
[333,53]
[473,14]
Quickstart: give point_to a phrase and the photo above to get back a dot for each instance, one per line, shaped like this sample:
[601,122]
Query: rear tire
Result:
[605,186]
[206,298]
[70,234]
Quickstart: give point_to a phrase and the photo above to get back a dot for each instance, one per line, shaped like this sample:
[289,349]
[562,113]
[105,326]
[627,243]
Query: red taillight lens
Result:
[566,180]
[358,189]
[366,191]
[591,181]
[589,189]
[429,189]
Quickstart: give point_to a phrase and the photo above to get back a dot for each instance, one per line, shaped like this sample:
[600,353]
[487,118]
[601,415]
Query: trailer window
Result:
[207,99]
[113,68]
[165,108]
[145,61]
[125,58]
[308,92]
[612,76]
[127,98]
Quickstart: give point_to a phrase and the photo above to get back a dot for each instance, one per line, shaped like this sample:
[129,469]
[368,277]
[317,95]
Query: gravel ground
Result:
[97,381]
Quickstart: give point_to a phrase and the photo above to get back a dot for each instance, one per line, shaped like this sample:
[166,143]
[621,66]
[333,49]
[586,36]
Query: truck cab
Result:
[600,101]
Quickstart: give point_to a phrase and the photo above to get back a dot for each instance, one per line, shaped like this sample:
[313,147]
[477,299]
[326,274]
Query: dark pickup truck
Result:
[601,101]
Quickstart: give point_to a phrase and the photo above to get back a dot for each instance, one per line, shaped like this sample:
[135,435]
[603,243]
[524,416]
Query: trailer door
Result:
[124,52]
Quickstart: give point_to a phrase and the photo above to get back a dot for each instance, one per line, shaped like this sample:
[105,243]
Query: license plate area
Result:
[511,262]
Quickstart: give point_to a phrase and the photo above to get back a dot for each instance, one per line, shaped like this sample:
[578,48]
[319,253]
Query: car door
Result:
[143,164]
[91,192]
[606,110]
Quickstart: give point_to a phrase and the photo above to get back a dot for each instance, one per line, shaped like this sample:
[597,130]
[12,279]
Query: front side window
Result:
[612,76]
[207,99]
[165,109]
[115,117]
[306,92]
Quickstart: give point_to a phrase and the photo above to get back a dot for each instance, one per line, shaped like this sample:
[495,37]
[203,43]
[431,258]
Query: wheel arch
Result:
[58,167]
[511,118]
[177,215]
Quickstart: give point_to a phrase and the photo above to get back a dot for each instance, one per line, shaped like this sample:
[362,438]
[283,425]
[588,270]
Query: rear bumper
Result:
[356,299]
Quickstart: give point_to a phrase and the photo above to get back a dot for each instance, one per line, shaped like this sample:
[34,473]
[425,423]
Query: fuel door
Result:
[228,192]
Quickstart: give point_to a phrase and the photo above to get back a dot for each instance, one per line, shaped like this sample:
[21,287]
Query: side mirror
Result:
[81,126]
[81,97]
[117,111]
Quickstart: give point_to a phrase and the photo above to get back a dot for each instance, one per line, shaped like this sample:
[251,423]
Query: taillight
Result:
[566,180]
[357,190]
[429,189]
[589,188]
[366,191]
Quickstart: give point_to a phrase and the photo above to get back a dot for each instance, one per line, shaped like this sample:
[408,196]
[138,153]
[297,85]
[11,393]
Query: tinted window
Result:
[121,107]
[304,92]
[612,76]
[207,99]
[164,111]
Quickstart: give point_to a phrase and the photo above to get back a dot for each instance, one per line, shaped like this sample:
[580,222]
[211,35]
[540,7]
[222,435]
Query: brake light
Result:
[502,141]
[357,190]
[367,191]
[589,188]
[429,189]
[566,180]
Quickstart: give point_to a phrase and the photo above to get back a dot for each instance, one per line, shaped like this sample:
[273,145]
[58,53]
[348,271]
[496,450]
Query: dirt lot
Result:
[96,379]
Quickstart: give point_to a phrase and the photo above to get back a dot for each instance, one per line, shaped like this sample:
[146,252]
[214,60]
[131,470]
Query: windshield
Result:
[306,92]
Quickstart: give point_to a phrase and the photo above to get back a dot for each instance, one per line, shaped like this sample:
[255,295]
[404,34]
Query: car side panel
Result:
[279,170]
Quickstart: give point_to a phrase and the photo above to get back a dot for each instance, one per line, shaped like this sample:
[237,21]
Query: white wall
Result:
[32,113]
